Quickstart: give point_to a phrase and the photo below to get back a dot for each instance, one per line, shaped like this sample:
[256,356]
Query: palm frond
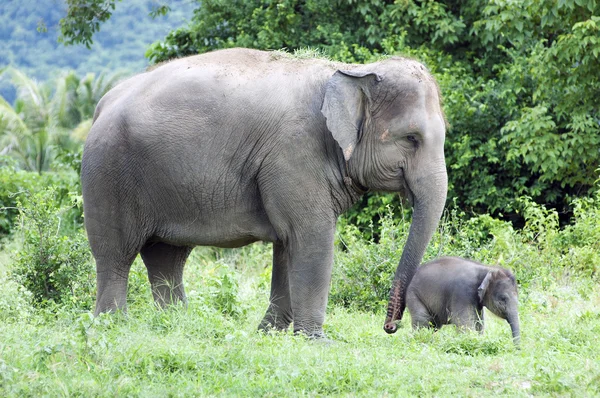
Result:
[10,120]
[64,104]
[32,99]
[28,89]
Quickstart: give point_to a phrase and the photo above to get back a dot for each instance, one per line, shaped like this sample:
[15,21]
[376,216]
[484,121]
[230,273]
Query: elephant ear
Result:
[482,289]
[347,96]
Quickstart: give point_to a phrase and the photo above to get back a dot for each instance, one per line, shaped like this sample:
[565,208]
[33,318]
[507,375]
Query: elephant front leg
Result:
[466,319]
[479,323]
[310,266]
[279,313]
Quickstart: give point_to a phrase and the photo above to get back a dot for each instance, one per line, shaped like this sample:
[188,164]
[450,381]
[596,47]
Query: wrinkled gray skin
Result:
[237,146]
[452,290]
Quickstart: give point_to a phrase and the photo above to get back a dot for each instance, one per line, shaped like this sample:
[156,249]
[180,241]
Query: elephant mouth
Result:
[405,190]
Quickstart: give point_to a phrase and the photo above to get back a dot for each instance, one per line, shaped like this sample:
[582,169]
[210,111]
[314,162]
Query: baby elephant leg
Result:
[419,314]
[479,324]
[468,319]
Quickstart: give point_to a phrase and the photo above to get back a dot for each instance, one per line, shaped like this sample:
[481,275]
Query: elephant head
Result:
[498,292]
[388,120]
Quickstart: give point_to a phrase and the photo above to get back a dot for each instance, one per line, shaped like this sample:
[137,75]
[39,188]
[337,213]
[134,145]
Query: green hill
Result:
[120,45]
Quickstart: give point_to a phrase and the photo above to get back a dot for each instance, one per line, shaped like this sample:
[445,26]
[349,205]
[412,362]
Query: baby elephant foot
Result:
[318,337]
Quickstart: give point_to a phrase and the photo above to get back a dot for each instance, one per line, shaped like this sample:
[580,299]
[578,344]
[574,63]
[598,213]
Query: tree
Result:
[84,18]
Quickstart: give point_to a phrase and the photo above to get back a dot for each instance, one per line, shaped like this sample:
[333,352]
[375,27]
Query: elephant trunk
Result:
[428,205]
[513,321]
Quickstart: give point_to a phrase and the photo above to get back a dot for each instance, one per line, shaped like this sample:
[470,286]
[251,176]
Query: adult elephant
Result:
[237,146]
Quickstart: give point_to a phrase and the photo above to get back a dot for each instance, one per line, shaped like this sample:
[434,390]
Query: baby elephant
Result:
[452,290]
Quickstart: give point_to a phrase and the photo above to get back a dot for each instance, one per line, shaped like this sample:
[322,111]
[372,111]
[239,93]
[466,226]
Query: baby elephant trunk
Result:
[513,321]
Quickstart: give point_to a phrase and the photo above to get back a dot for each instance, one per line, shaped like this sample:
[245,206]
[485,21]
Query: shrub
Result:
[222,289]
[580,241]
[52,266]
[367,213]
[15,184]
[364,269]
[14,300]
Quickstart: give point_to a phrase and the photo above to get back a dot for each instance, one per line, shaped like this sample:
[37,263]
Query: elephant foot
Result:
[270,323]
[275,319]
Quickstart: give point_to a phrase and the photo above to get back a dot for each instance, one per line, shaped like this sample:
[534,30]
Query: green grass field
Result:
[213,349]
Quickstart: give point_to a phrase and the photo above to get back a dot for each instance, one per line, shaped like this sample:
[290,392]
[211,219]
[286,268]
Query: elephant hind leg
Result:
[165,264]
[113,262]
[279,314]
[419,314]
[111,277]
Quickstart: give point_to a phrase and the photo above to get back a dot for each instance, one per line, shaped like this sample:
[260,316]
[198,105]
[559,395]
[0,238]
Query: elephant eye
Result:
[412,138]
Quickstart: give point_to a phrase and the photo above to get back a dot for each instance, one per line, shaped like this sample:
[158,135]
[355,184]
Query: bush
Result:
[54,267]
[213,279]
[222,290]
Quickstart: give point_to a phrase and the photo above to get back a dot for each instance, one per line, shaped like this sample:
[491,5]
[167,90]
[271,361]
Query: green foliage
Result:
[520,80]
[83,20]
[201,352]
[221,289]
[366,215]
[54,267]
[364,269]
[212,348]
[226,274]
[552,65]
[344,29]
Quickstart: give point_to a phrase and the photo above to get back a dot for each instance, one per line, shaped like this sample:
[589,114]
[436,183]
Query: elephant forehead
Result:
[417,117]
[408,95]
[404,66]
[506,285]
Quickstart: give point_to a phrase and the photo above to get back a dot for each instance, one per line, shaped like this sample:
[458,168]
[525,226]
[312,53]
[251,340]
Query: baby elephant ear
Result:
[484,286]
[345,105]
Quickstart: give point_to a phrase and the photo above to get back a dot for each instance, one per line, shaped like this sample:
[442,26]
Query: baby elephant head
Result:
[498,292]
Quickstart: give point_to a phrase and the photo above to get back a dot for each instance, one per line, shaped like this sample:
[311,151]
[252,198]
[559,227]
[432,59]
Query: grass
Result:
[203,352]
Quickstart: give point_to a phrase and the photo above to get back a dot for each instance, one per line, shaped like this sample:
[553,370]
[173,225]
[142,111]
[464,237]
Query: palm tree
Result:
[77,99]
[27,128]
[45,118]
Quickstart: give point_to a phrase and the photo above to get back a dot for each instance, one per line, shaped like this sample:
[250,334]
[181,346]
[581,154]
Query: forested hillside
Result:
[29,31]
